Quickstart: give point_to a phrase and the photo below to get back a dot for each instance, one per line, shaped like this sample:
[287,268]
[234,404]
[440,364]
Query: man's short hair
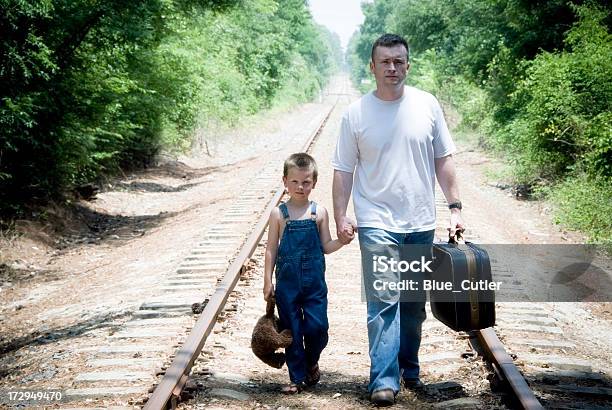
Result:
[390,40]
[303,161]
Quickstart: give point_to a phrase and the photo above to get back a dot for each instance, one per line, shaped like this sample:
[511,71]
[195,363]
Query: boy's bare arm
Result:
[328,244]
[271,251]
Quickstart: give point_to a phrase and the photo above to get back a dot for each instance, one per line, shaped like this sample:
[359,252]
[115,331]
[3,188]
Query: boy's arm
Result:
[271,251]
[328,244]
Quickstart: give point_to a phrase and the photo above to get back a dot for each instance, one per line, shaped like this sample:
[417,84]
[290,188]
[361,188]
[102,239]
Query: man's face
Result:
[390,65]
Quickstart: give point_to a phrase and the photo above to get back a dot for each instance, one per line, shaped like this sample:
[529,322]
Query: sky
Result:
[340,16]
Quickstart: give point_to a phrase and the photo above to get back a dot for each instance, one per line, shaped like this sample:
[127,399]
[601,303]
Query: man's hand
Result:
[346,230]
[456,223]
[268,291]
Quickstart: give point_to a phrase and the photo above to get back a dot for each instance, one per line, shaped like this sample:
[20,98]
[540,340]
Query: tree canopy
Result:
[533,77]
[93,86]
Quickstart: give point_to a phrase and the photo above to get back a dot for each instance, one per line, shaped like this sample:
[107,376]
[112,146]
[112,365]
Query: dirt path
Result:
[141,227]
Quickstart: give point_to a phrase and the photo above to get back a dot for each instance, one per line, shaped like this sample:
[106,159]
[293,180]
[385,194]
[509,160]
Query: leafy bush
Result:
[564,114]
[534,78]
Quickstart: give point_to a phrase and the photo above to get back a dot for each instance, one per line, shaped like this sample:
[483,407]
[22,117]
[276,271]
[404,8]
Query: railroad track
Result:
[168,392]
[175,378]
[164,333]
[531,318]
[501,365]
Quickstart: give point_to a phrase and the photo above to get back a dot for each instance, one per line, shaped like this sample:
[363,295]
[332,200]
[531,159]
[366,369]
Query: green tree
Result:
[91,86]
[534,77]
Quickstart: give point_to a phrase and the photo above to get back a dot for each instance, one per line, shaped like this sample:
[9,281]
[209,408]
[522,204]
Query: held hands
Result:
[347,237]
[346,230]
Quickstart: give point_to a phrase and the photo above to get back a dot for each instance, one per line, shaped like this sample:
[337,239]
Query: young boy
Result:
[301,292]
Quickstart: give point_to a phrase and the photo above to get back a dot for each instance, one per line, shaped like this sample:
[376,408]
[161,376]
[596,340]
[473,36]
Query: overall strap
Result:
[284,210]
[313,210]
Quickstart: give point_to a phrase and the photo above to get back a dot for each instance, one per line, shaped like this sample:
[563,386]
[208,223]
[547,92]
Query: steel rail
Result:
[167,393]
[506,369]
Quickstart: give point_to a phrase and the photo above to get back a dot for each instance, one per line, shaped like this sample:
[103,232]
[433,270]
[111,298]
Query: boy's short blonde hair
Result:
[303,161]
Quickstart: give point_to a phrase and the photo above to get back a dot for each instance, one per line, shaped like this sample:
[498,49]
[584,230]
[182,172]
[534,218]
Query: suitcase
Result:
[468,309]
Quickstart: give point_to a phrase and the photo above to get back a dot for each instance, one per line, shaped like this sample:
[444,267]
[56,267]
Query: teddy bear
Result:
[266,338]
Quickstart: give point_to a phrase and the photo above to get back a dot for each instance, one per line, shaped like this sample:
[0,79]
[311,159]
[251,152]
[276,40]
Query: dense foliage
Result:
[92,86]
[533,77]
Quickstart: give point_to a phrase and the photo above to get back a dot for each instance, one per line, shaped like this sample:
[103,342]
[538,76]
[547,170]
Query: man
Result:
[395,142]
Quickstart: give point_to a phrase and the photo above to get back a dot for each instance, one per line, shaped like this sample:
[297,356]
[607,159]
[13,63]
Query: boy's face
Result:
[299,182]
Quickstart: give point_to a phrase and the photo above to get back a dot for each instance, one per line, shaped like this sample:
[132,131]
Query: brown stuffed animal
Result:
[267,339]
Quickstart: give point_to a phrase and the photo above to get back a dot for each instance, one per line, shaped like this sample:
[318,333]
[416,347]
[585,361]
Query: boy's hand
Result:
[268,291]
[344,241]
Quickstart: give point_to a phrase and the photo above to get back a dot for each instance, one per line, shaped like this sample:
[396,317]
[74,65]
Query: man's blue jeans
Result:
[394,327]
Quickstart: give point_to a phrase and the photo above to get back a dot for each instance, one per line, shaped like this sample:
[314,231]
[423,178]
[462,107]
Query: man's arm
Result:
[447,178]
[341,192]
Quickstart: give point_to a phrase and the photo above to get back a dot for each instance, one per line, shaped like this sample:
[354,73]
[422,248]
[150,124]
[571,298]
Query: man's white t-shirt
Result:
[390,147]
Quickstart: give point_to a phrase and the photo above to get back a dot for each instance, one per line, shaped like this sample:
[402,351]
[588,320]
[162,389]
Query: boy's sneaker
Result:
[413,384]
[383,398]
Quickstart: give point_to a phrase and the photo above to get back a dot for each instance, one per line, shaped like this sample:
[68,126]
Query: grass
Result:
[584,205]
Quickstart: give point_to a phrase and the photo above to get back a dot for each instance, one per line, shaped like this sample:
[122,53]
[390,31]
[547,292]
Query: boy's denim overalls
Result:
[301,292]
